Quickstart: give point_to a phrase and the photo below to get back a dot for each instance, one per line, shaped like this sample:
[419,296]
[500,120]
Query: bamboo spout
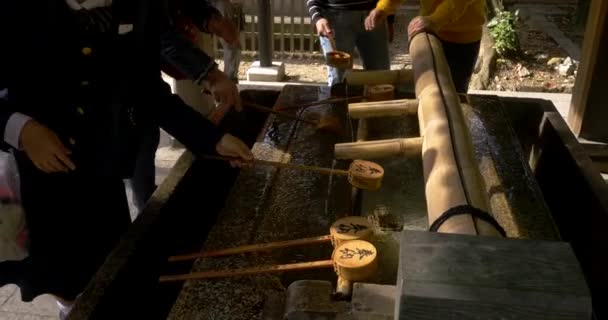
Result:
[407,147]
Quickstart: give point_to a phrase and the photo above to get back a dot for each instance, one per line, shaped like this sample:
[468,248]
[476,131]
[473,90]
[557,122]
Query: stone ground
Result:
[44,307]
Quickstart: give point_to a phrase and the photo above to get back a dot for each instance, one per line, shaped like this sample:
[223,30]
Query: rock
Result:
[542,57]
[554,61]
[524,72]
[566,68]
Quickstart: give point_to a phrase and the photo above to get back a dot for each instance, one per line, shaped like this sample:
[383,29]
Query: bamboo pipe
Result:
[451,172]
[381,92]
[406,147]
[359,78]
[392,108]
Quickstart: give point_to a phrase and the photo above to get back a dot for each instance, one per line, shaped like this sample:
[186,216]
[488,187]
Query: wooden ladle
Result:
[338,59]
[341,231]
[355,260]
[361,174]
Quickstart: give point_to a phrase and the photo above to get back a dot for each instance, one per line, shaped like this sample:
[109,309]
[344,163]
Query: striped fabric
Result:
[317,7]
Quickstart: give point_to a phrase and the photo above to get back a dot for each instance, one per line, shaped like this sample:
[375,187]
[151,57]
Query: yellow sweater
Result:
[459,21]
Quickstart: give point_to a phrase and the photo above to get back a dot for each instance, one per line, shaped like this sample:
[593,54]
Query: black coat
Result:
[103,91]
[100,90]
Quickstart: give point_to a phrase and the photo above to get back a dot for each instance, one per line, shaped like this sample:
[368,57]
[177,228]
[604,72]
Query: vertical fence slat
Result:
[311,37]
[243,33]
[272,37]
[302,28]
[292,21]
[282,12]
[254,37]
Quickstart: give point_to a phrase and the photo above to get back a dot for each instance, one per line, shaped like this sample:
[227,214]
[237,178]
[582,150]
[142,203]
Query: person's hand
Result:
[420,24]
[225,92]
[324,28]
[225,29]
[44,148]
[374,19]
[231,146]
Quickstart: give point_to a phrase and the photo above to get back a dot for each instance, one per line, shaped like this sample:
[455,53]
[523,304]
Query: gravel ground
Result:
[530,71]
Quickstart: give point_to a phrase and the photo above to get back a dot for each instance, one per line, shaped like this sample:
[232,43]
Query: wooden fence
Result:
[293,33]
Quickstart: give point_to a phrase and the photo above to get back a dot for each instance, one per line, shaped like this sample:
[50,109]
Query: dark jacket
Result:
[184,59]
[102,91]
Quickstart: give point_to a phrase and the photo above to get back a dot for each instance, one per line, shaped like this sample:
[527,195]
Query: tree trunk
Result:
[492,6]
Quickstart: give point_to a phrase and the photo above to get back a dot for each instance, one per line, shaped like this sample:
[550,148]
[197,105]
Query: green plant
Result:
[503,28]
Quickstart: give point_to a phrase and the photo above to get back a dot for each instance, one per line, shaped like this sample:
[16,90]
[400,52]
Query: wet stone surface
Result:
[269,204]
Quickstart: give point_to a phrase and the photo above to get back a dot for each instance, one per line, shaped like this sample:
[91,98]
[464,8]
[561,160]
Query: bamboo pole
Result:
[355,260]
[406,147]
[253,248]
[322,264]
[359,78]
[451,173]
[301,167]
[392,108]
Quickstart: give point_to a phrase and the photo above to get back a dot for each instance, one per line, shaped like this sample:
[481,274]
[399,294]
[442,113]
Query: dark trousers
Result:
[74,220]
[461,58]
[143,182]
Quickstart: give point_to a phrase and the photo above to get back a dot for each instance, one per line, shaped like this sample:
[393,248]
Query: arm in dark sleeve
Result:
[5,72]
[188,126]
[183,54]
[5,115]
[316,8]
[200,12]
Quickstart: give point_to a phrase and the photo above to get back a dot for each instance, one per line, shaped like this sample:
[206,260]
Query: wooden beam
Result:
[450,276]
[589,106]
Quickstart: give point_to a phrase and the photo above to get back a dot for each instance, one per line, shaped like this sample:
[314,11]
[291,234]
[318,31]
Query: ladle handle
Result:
[253,248]
[324,101]
[283,114]
[332,43]
[249,271]
[301,167]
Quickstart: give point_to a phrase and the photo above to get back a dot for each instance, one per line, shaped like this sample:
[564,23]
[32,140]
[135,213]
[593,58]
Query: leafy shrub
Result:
[503,28]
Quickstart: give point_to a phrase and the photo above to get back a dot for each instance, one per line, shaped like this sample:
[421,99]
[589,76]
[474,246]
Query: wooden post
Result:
[589,109]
